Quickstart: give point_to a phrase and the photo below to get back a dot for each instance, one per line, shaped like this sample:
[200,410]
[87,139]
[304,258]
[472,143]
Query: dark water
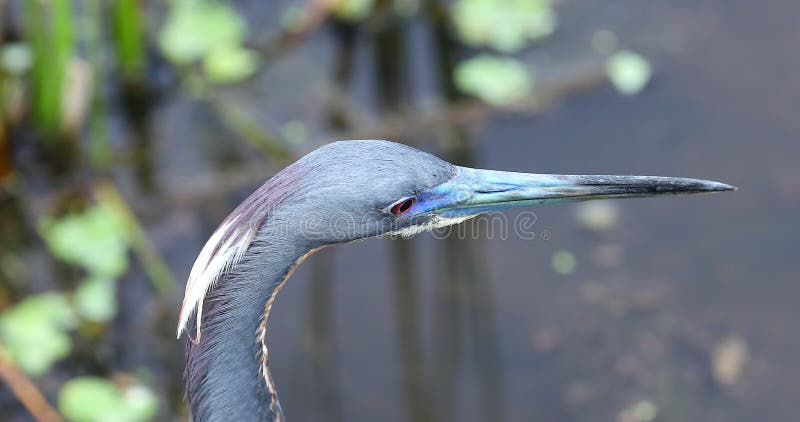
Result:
[721,107]
[485,329]
[693,272]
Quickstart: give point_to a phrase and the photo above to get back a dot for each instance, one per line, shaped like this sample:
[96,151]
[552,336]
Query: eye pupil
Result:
[401,207]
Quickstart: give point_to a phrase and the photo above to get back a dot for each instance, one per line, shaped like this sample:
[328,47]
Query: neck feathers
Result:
[228,298]
[227,370]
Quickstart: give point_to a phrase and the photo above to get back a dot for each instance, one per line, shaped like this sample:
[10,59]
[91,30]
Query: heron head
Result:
[351,190]
[360,189]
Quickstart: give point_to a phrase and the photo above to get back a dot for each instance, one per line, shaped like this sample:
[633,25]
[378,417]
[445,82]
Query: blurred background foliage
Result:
[89,266]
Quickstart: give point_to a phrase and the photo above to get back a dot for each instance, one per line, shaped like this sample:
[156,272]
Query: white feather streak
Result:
[209,266]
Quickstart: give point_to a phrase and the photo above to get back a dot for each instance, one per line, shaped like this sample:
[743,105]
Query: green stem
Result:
[99,132]
[129,37]
[152,263]
[249,130]
[49,29]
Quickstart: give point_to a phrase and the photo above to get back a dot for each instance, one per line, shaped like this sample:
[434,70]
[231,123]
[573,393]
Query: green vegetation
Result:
[564,262]
[211,33]
[94,240]
[51,36]
[129,37]
[35,331]
[629,72]
[496,80]
[353,10]
[507,26]
[90,399]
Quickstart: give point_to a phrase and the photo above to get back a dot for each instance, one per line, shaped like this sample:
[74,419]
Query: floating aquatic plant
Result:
[210,32]
[495,80]
[629,72]
[507,26]
[92,399]
[35,331]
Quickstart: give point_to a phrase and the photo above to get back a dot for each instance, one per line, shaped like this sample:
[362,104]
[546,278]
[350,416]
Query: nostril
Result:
[498,189]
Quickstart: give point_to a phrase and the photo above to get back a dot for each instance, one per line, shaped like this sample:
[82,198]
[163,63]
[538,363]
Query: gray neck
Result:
[227,377]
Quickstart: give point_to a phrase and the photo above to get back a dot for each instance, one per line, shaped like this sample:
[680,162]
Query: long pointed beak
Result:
[476,191]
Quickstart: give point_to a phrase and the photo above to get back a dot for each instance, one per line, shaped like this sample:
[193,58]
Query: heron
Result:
[341,192]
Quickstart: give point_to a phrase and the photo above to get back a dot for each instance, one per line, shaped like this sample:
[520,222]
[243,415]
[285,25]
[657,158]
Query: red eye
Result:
[403,206]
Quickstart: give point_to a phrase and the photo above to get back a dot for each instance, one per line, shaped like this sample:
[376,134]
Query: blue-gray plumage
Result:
[341,192]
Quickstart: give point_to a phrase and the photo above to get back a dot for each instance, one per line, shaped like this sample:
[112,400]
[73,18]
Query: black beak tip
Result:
[723,187]
[704,186]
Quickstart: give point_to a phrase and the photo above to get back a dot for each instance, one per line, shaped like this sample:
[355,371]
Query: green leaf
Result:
[16,58]
[628,72]
[294,131]
[88,399]
[598,216]
[92,399]
[353,10]
[95,299]
[195,27]
[504,25]
[95,240]
[564,262]
[35,331]
[230,63]
[496,80]
[141,402]
[294,18]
